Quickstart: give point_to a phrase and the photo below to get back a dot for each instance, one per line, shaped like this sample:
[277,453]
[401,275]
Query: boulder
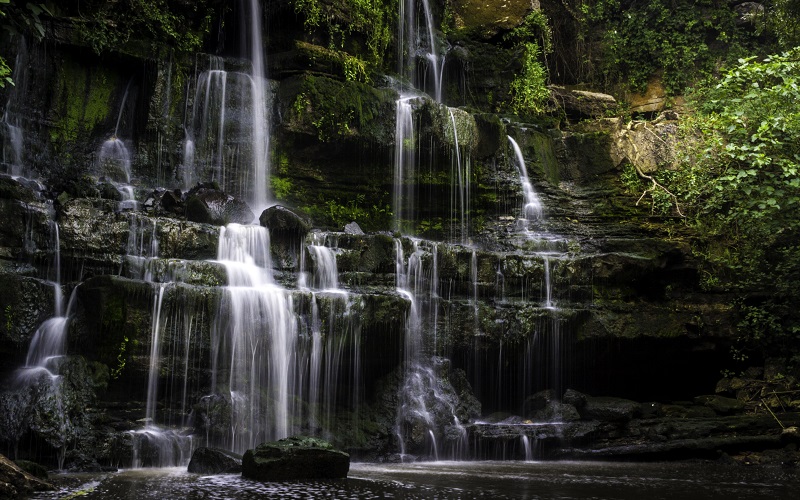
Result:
[212,206]
[279,219]
[486,19]
[16,483]
[214,461]
[584,104]
[353,228]
[298,457]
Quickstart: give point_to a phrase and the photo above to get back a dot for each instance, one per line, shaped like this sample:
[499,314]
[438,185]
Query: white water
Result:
[113,158]
[260,178]
[413,41]
[404,163]
[532,210]
[460,201]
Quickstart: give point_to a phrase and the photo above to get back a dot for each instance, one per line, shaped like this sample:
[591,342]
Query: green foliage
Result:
[344,22]
[281,187]
[739,181]
[534,27]
[336,213]
[111,25]
[528,90]
[666,37]
[5,74]
[782,21]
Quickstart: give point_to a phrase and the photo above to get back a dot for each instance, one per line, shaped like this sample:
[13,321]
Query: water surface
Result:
[500,480]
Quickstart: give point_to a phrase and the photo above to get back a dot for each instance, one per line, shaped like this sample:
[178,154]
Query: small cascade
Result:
[427,402]
[414,43]
[532,210]
[526,445]
[325,275]
[114,159]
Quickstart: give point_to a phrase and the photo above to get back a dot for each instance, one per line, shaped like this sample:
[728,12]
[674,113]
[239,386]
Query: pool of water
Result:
[497,480]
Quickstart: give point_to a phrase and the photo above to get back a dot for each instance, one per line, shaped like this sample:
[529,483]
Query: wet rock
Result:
[293,458]
[16,483]
[214,461]
[574,398]
[33,469]
[610,409]
[282,220]
[211,206]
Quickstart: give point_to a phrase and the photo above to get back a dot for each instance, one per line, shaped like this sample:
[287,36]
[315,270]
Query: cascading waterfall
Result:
[410,45]
[227,136]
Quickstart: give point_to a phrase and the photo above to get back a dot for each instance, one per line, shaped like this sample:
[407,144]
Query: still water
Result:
[445,480]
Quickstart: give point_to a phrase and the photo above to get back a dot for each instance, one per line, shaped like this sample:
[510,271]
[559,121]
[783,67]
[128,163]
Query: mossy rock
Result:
[295,458]
[487,18]
[333,110]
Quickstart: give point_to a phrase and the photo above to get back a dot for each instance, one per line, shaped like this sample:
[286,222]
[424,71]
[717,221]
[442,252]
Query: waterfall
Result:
[227,136]
[404,163]
[532,210]
[409,43]
[460,201]
[114,159]
[260,138]
[13,137]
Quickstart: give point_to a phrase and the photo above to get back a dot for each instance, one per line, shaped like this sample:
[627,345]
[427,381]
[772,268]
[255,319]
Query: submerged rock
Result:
[298,457]
[214,461]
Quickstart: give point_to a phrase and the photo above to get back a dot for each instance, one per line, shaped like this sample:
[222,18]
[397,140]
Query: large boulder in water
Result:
[212,206]
[279,219]
[214,461]
[298,457]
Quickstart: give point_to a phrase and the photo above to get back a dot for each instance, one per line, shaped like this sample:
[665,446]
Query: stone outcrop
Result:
[214,461]
[295,458]
[16,483]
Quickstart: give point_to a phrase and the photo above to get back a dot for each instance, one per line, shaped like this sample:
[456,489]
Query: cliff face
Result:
[458,283]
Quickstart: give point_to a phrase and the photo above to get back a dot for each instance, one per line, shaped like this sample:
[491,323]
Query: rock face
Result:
[214,461]
[294,458]
[15,483]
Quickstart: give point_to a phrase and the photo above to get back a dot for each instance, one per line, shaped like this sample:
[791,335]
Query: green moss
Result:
[84,100]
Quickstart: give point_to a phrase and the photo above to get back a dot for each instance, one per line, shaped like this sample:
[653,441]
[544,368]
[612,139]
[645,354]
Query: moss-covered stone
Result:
[486,19]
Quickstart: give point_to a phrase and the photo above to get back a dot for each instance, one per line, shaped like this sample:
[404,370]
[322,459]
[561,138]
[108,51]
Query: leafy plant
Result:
[529,93]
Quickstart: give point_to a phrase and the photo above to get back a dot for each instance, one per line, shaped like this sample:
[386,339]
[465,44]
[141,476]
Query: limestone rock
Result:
[214,461]
[487,18]
[293,458]
[353,228]
[647,145]
[212,206]
[584,104]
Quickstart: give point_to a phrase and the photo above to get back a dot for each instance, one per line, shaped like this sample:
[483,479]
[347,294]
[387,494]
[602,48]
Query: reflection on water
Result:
[501,480]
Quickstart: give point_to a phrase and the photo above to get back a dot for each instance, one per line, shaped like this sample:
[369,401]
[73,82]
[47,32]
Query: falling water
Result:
[409,45]
[404,163]
[460,200]
[532,209]
[114,158]
[12,133]
[258,199]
